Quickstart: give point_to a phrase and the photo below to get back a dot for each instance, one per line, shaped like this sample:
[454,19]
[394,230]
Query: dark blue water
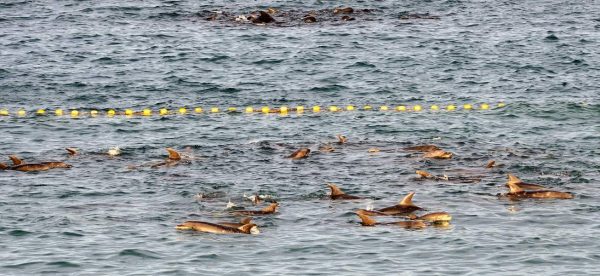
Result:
[104,217]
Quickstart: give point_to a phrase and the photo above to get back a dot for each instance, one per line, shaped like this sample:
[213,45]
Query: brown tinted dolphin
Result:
[408,224]
[516,192]
[423,148]
[242,222]
[19,165]
[271,209]
[404,207]
[436,217]
[336,193]
[173,159]
[15,160]
[341,139]
[438,154]
[208,227]
[326,148]
[459,179]
[525,186]
[299,154]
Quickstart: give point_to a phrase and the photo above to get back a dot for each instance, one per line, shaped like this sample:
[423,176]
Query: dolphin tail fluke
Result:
[335,190]
[16,160]
[407,200]
[513,179]
[173,154]
[365,220]
[271,208]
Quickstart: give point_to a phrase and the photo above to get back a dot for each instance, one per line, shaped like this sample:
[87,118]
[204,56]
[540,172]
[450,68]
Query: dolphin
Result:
[242,222]
[423,148]
[19,165]
[271,209]
[208,227]
[326,148]
[408,224]
[341,139]
[173,159]
[438,154]
[16,160]
[525,186]
[436,217]
[516,192]
[404,207]
[299,154]
[461,179]
[336,193]
[344,10]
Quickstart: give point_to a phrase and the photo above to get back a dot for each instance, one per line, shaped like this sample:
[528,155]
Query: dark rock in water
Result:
[406,15]
[347,18]
[263,17]
[310,19]
[346,10]
[212,17]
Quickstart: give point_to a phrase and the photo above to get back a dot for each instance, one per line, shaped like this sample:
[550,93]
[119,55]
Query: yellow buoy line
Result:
[148,112]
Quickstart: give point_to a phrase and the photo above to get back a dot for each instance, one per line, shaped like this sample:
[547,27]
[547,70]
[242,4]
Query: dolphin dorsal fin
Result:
[72,151]
[490,164]
[514,187]
[16,160]
[366,220]
[335,190]
[514,179]
[246,227]
[271,208]
[246,220]
[407,200]
[173,154]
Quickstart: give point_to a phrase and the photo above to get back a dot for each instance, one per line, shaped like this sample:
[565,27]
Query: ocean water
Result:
[103,216]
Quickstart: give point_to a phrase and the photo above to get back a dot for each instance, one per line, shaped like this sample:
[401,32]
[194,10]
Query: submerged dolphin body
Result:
[242,222]
[337,193]
[299,154]
[461,179]
[525,186]
[208,227]
[408,224]
[173,159]
[516,192]
[271,209]
[404,207]
[436,217]
[423,148]
[19,165]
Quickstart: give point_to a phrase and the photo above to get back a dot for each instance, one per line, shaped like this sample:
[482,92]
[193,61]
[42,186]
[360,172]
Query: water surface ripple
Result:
[101,217]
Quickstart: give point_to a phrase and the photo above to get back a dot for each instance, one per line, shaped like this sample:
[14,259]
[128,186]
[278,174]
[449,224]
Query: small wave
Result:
[63,264]
[19,233]
[146,254]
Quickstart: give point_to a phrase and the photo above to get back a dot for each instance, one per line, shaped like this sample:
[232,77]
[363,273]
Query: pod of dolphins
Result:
[405,209]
